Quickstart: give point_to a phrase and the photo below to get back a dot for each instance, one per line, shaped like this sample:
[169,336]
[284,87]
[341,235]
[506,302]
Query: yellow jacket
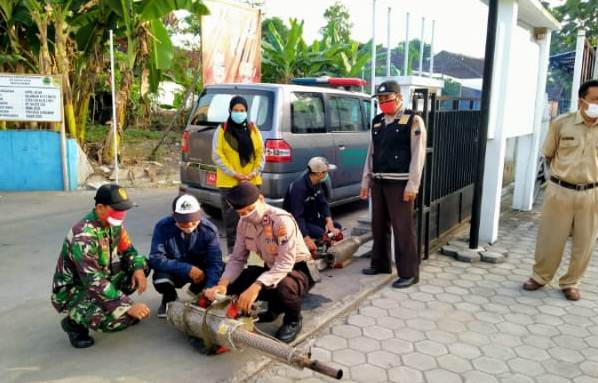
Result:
[228,162]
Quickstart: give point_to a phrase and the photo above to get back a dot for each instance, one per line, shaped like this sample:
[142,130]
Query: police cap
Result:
[243,195]
[387,87]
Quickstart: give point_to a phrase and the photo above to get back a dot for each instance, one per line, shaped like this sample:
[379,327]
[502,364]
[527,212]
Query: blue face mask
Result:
[238,117]
[323,180]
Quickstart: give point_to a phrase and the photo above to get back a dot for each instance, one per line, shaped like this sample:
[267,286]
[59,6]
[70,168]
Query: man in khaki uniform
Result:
[571,200]
[288,272]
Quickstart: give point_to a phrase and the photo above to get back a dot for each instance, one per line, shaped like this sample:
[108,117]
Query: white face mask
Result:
[256,215]
[592,110]
[187,230]
[114,222]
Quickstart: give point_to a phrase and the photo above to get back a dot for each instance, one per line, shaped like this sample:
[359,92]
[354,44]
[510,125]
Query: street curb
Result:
[341,308]
[327,315]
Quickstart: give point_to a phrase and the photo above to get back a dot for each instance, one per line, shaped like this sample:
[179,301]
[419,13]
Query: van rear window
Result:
[212,107]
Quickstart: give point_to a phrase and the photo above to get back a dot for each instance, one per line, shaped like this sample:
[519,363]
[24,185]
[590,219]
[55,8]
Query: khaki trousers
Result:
[565,212]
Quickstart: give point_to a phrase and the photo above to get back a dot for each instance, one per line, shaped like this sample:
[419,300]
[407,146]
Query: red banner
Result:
[230,43]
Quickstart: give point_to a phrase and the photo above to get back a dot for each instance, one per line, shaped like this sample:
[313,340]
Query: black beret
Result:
[243,195]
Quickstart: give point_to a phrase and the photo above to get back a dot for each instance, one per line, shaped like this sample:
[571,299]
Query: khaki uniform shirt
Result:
[277,240]
[572,148]
[418,154]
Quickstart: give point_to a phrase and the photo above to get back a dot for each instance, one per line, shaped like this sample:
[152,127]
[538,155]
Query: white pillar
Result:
[595,76]
[373,76]
[526,166]
[495,150]
[66,180]
[581,38]
[114,120]
[406,47]
[388,52]
[432,49]
[421,48]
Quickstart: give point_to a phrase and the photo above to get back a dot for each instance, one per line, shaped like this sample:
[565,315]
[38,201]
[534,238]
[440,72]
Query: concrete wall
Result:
[30,161]
[523,82]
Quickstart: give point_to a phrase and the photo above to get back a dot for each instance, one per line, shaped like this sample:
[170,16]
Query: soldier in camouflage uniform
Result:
[97,269]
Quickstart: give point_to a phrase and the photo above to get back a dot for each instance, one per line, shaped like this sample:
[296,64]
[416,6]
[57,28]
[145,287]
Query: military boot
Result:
[289,330]
[78,335]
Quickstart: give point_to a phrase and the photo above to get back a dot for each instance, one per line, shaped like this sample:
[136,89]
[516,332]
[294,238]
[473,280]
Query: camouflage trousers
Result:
[87,311]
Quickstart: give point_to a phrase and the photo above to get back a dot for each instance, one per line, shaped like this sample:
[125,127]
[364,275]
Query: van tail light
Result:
[185,142]
[278,151]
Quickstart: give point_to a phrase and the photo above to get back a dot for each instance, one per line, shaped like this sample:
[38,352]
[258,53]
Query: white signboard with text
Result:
[30,98]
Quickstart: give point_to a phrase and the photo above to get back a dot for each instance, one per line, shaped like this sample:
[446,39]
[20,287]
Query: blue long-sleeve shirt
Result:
[306,202]
[172,253]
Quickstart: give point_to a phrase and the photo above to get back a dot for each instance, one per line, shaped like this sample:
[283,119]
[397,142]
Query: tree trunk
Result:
[82,112]
[45,60]
[122,99]
[63,64]
[84,92]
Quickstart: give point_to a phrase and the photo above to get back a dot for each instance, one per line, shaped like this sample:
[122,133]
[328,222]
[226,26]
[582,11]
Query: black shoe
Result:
[78,335]
[373,271]
[402,283]
[289,331]
[267,316]
[161,311]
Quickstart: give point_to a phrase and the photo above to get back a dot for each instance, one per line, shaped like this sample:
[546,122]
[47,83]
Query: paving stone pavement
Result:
[465,322]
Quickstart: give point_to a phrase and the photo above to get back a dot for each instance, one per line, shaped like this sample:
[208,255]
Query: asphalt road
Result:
[34,348]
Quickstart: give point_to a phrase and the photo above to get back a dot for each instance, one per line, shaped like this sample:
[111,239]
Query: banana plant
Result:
[350,58]
[283,59]
[353,60]
[148,48]
[15,26]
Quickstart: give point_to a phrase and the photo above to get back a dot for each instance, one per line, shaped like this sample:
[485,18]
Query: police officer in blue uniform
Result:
[392,174]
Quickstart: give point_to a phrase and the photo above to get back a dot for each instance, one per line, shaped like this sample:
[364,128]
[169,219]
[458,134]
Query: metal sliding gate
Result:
[446,193]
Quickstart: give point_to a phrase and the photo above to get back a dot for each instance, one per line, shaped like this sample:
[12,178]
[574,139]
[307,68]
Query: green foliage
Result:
[451,88]
[285,54]
[97,134]
[337,20]
[33,33]
[277,24]
[283,59]
[414,51]
[574,15]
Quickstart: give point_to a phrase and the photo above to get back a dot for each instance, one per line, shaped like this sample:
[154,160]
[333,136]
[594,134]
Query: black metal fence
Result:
[446,195]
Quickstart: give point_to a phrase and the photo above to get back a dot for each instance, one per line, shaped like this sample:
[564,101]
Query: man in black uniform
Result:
[306,201]
[392,174]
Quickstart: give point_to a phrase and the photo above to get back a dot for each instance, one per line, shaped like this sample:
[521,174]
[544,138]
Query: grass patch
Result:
[98,133]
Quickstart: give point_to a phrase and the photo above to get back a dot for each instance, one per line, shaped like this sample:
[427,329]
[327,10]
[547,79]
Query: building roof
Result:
[457,65]
[447,63]
[533,13]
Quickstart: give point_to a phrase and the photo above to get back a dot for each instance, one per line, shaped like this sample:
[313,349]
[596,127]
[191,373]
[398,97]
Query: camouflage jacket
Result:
[94,261]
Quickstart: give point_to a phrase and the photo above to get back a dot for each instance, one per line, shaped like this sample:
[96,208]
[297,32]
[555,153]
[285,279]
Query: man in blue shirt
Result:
[185,249]
[306,201]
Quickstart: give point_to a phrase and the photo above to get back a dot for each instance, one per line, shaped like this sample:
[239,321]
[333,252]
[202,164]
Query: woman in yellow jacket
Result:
[238,152]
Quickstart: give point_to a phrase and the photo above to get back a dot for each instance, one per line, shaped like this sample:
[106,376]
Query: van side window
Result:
[367,107]
[345,114]
[307,113]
